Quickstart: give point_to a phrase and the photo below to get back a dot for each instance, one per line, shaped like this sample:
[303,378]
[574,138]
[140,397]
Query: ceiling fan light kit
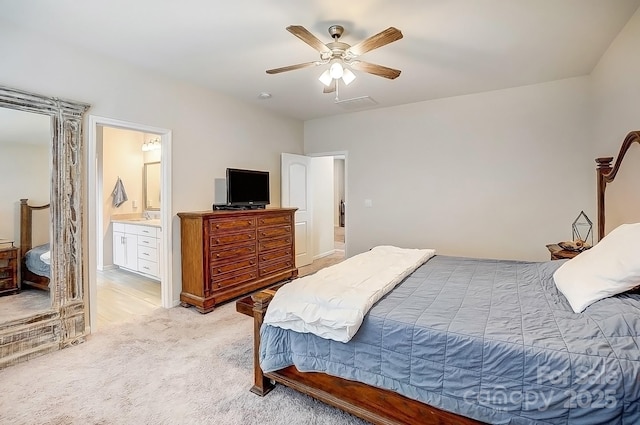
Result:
[337,72]
[339,55]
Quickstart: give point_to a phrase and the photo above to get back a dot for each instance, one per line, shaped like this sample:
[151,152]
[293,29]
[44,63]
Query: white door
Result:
[296,193]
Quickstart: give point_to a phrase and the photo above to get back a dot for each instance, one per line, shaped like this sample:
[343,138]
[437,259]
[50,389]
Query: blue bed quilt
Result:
[489,339]
[35,264]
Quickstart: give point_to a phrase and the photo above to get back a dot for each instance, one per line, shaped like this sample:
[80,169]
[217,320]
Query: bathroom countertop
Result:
[154,222]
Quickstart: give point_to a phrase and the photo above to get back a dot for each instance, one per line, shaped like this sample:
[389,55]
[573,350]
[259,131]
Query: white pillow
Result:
[611,267]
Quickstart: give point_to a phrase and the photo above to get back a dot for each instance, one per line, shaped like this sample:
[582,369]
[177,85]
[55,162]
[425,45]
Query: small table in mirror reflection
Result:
[9,283]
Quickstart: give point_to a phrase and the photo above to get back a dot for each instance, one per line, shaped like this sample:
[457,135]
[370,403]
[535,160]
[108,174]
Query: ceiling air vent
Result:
[356,103]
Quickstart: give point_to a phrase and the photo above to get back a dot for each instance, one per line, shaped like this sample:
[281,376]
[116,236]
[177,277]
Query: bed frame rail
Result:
[376,405]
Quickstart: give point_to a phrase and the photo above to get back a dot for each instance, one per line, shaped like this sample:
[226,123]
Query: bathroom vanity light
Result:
[151,145]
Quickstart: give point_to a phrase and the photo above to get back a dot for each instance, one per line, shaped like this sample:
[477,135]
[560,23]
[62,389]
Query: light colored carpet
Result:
[173,366]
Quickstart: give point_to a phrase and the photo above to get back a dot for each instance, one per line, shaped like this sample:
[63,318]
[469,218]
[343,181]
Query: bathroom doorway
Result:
[129,177]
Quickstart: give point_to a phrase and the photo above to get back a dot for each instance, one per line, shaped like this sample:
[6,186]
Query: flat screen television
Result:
[247,188]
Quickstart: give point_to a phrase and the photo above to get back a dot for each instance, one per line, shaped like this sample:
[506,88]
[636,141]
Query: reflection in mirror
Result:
[63,324]
[151,186]
[25,155]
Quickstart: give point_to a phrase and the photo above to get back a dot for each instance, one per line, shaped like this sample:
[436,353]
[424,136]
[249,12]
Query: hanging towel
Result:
[119,194]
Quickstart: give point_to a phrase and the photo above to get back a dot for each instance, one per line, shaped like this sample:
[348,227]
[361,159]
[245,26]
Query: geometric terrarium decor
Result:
[582,229]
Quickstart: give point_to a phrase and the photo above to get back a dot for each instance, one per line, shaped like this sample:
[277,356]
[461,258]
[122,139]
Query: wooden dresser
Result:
[226,254]
[9,283]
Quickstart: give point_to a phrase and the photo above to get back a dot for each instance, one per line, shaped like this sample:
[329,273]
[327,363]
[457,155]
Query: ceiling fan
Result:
[340,54]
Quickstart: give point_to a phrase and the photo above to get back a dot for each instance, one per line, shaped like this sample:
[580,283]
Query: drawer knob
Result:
[252,262]
[219,270]
[217,255]
[217,241]
[217,226]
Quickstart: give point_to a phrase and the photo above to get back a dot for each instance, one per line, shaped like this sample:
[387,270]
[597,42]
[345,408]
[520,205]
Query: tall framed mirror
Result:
[63,323]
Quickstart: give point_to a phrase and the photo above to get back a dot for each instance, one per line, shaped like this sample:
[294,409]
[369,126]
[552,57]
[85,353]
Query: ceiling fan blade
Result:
[379,70]
[383,38]
[291,67]
[303,34]
[330,88]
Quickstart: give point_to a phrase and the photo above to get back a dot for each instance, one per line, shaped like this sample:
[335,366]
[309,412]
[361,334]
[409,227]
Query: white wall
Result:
[24,173]
[616,93]
[210,132]
[323,206]
[497,174]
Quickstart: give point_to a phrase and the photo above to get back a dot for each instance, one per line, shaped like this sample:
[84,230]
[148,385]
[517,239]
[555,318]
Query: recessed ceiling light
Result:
[264,95]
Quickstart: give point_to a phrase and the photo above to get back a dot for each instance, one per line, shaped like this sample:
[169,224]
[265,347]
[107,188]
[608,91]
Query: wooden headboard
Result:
[607,173]
[26,224]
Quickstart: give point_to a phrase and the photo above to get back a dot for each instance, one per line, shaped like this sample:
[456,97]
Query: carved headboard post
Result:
[603,170]
[606,174]
[25,231]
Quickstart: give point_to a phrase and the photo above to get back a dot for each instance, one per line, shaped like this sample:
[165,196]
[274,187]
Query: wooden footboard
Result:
[32,279]
[376,405]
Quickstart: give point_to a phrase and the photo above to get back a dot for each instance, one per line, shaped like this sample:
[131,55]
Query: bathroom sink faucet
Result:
[147,216]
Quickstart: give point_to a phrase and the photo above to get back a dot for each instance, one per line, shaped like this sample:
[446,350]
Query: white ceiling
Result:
[450,47]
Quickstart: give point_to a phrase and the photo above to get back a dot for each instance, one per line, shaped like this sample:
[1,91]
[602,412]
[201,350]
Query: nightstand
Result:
[9,270]
[558,253]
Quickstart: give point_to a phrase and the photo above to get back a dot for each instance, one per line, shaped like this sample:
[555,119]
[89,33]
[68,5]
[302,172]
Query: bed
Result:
[35,267]
[497,343]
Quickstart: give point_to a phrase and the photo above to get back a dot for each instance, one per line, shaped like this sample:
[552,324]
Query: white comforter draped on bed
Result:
[333,302]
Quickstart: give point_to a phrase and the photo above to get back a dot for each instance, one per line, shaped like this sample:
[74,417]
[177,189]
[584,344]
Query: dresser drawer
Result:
[281,254]
[7,284]
[148,253]
[270,268]
[9,254]
[234,278]
[276,219]
[231,224]
[222,255]
[231,266]
[266,245]
[227,238]
[274,232]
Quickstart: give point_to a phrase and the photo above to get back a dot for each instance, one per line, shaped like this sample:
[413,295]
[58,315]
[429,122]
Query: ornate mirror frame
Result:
[64,324]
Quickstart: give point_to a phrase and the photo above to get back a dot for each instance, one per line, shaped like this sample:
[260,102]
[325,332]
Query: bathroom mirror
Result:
[64,323]
[151,186]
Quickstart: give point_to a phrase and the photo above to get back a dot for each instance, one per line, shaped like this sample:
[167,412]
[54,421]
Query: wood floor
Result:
[122,295]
